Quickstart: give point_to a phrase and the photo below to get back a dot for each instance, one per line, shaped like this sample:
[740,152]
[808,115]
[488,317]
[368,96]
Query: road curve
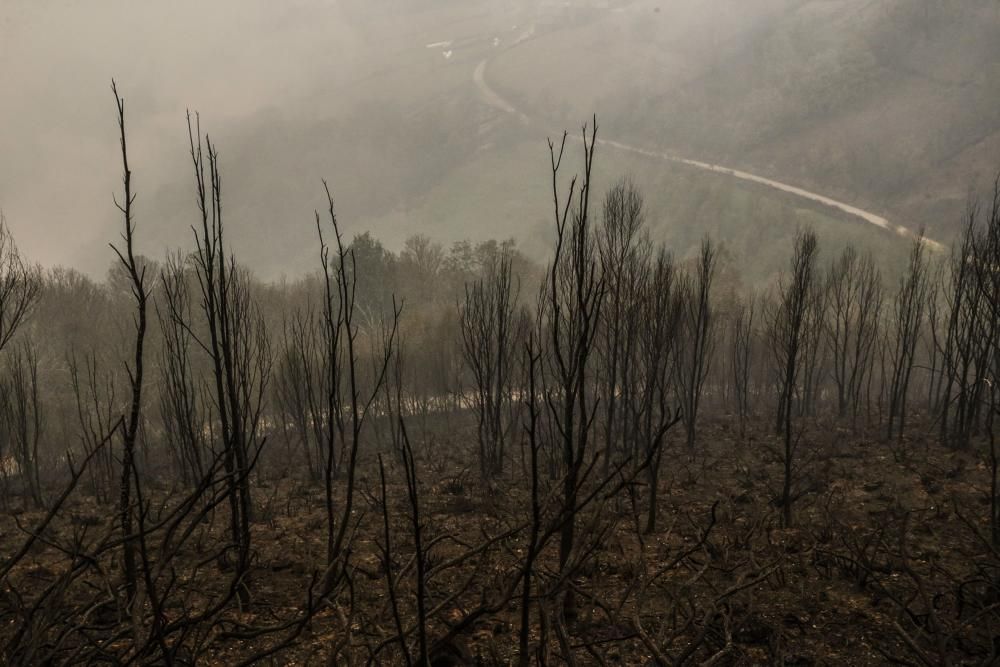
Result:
[491,96]
[494,99]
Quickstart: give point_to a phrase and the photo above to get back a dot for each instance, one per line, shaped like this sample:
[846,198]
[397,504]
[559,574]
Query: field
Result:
[885,548]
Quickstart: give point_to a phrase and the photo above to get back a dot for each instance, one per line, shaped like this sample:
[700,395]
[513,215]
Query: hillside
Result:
[890,104]
[379,100]
[480,174]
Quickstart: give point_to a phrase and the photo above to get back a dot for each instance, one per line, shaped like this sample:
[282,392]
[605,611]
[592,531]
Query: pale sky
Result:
[229,59]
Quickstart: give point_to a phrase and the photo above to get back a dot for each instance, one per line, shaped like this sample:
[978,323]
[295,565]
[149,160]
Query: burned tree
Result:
[488,320]
[137,283]
[22,416]
[342,373]
[907,323]
[236,344]
[570,307]
[962,385]
[20,286]
[697,336]
[854,286]
[182,412]
[742,337]
[656,332]
[813,355]
[298,390]
[95,394]
[619,244]
[985,266]
[787,331]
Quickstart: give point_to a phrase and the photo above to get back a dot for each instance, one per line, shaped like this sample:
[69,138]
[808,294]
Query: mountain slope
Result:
[889,103]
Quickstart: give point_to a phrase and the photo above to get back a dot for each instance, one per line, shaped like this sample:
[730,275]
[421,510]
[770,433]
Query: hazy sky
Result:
[229,59]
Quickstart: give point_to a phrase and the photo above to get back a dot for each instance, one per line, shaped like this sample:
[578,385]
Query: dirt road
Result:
[494,99]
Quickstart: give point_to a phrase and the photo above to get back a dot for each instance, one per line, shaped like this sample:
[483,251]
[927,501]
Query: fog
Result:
[378,98]
[499,332]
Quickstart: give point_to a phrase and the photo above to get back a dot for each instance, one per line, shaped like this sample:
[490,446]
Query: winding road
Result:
[494,99]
